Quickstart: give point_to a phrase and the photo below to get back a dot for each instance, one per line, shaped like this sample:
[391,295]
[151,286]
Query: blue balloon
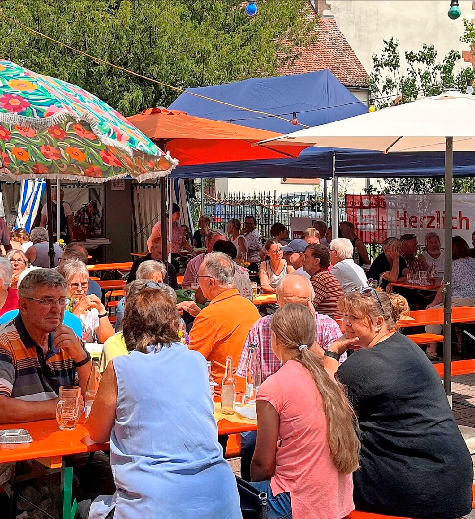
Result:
[251,9]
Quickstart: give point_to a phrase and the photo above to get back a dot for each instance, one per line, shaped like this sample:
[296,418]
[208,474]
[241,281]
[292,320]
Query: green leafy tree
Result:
[179,42]
[423,76]
[390,84]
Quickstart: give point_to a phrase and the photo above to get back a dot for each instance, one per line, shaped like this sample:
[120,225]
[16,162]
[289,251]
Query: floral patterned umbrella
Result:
[54,130]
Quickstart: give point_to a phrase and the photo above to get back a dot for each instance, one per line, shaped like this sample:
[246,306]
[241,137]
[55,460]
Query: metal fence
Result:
[267,208]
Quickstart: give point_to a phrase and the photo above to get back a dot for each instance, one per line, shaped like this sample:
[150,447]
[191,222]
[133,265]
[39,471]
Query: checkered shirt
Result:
[327,332]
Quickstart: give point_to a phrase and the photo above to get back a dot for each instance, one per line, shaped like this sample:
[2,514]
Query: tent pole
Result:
[202,186]
[58,210]
[449,162]
[49,212]
[170,214]
[163,216]
[325,200]
[334,203]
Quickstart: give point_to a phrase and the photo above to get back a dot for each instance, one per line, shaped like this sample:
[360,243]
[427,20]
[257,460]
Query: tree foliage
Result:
[423,76]
[179,42]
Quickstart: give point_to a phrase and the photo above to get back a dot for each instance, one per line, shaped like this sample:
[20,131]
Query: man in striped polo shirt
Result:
[327,288]
[38,354]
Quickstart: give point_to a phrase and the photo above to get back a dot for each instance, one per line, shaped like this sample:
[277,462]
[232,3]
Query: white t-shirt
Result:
[439,262]
[350,275]
[25,246]
[90,323]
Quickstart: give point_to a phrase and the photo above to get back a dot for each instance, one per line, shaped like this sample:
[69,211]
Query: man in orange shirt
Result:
[221,328]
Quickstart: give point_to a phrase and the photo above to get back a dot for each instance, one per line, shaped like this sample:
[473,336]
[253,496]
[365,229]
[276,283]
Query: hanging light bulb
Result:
[371,107]
[251,8]
[454,11]
[295,121]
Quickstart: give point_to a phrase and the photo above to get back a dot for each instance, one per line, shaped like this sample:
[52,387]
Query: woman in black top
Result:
[414,461]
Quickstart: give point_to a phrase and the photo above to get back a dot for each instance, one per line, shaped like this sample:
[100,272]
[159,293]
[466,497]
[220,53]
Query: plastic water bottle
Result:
[228,388]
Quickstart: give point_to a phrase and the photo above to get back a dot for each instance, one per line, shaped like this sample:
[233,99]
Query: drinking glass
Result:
[68,409]
[254,289]
[423,277]
[410,278]
[90,396]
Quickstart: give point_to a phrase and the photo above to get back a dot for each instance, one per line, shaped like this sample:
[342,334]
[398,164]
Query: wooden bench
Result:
[357,514]
[233,447]
[458,367]
[425,338]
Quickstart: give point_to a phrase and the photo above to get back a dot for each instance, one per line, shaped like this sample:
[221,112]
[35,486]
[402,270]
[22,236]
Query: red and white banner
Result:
[378,216]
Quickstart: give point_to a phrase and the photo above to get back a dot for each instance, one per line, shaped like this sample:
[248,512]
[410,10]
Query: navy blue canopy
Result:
[317,98]
[318,163]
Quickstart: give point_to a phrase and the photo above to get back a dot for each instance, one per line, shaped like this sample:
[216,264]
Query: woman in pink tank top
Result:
[307,444]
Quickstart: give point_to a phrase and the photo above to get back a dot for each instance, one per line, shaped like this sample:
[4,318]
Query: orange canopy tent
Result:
[195,140]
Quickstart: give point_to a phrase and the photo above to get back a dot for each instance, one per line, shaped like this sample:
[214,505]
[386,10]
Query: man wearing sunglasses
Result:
[38,353]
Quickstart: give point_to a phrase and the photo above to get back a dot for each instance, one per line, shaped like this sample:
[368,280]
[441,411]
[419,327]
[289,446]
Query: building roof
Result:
[330,50]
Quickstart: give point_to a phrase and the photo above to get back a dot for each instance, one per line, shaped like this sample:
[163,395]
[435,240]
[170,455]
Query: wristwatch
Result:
[332,354]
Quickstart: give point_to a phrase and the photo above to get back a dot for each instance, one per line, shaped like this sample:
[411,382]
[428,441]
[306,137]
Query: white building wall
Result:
[366,23]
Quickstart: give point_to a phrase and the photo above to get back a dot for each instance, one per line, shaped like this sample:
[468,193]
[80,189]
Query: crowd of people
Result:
[350,412]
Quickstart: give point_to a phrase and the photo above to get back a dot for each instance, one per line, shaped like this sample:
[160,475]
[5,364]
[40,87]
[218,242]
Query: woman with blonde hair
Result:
[414,461]
[307,443]
[19,263]
[89,308]
[233,230]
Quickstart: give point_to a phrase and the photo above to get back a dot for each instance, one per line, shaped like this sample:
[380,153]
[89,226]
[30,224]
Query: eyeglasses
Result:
[17,260]
[275,252]
[76,286]
[203,276]
[49,301]
[368,291]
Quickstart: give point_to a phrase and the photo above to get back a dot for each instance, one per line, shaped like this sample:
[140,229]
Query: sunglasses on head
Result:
[371,292]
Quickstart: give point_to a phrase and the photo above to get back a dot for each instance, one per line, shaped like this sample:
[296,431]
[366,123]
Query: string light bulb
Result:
[251,8]
[295,121]
[454,11]
[469,87]
[371,107]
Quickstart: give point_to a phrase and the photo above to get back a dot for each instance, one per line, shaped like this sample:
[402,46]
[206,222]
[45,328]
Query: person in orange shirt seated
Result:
[221,328]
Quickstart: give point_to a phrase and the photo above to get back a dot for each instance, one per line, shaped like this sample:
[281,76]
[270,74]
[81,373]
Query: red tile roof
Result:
[330,50]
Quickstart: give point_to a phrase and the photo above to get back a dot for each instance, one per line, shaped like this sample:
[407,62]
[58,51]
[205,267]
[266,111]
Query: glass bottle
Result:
[252,375]
[92,386]
[182,333]
[228,388]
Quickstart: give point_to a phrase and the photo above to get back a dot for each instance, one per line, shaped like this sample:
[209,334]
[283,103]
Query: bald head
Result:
[294,289]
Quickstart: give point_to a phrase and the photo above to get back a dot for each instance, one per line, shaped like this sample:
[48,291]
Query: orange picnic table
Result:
[460,314]
[264,299]
[127,265]
[53,447]
[417,287]
[112,284]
